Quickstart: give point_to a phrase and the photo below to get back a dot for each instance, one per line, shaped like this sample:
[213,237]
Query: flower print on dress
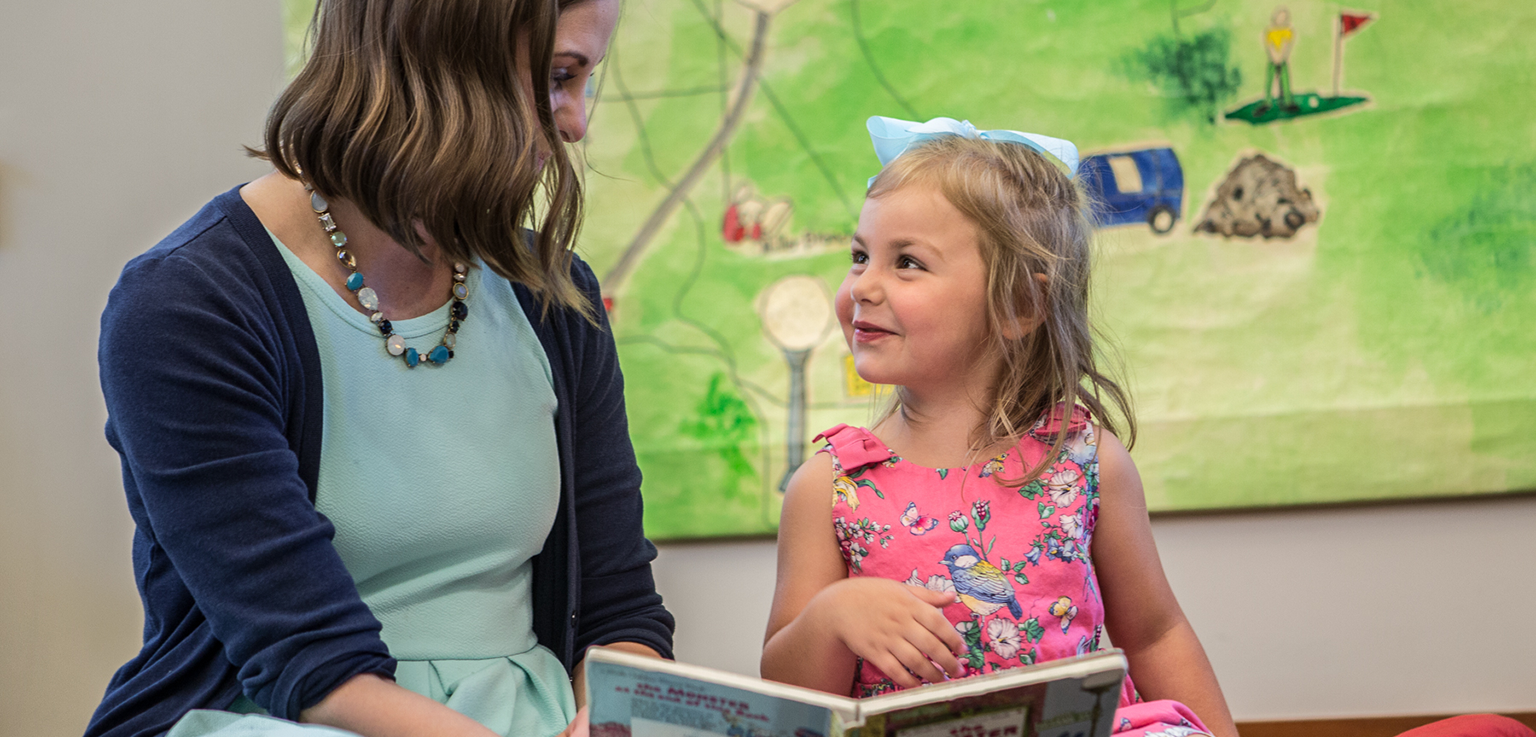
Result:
[853,537]
[981,514]
[934,583]
[1003,637]
[1072,525]
[1083,448]
[1063,484]
[1033,556]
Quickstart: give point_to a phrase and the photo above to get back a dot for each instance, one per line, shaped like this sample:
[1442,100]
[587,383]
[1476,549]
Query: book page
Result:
[631,702]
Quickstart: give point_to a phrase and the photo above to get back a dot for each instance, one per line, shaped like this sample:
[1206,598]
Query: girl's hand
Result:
[893,626]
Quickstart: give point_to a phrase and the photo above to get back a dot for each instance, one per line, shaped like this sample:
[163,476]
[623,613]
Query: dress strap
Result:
[1057,422]
[855,447]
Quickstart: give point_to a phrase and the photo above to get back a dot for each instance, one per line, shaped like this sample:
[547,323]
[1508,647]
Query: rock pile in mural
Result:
[1259,198]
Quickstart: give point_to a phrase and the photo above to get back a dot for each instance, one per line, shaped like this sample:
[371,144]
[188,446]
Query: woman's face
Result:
[581,41]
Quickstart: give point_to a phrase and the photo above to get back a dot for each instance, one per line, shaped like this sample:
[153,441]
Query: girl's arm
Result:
[822,621]
[1140,610]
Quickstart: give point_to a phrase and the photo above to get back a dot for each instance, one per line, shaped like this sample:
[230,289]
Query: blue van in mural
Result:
[1143,186]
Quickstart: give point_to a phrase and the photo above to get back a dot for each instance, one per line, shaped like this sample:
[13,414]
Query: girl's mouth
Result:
[864,332]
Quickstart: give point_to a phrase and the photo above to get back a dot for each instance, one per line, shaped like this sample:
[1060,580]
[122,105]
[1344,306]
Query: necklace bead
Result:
[368,299]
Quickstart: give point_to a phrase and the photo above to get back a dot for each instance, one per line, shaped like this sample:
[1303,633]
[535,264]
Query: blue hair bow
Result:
[893,137]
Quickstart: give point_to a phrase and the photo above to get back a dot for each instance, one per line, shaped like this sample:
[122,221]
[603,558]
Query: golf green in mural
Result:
[1317,271]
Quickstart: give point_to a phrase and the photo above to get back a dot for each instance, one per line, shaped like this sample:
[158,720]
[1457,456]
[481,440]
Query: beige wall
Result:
[1391,610]
[118,120]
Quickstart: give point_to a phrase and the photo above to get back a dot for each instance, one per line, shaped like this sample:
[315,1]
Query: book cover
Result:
[633,696]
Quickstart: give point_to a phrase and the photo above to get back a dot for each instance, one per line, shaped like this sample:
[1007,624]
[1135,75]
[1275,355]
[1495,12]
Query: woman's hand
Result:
[373,706]
[578,726]
[897,628]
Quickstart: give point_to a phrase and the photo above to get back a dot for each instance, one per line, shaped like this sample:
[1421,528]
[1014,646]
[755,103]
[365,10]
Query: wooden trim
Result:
[1354,727]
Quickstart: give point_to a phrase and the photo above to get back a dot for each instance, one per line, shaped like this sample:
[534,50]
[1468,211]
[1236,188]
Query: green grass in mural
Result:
[1355,361]
[1383,352]
[1259,112]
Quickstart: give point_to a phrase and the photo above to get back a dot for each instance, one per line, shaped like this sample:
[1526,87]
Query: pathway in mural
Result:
[1317,282]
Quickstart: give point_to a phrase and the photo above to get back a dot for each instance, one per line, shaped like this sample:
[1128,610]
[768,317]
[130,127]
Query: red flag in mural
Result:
[1351,22]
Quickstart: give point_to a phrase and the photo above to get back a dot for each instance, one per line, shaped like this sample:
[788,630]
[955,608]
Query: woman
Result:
[372,431]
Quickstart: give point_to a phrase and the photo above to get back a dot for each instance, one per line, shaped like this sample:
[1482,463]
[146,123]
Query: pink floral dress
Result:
[1017,558]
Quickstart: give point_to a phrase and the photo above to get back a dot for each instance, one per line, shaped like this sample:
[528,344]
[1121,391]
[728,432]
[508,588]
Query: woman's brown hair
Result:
[418,112]
[1036,239]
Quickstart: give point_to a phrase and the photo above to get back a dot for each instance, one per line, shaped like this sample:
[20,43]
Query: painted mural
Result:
[1317,259]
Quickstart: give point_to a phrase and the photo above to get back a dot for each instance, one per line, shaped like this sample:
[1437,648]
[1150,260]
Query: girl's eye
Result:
[561,76]
[907,262]
[859,257]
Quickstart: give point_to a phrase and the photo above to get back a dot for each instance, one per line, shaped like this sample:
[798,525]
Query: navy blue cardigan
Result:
[212,382]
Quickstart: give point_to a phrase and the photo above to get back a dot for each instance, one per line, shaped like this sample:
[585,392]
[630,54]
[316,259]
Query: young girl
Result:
[980,525]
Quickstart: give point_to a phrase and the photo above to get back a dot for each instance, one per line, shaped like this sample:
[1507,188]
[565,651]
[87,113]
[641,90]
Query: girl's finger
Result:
[893,669]
[934,649]
[917,661]
[934,598]
[942,628]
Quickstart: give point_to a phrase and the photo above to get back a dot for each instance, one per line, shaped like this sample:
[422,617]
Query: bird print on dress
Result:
[980,585]
[1016,558]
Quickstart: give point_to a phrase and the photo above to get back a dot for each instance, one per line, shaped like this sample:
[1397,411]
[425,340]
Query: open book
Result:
[634,696]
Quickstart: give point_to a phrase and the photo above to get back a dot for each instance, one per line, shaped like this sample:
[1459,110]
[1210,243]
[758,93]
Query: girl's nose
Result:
[867,286]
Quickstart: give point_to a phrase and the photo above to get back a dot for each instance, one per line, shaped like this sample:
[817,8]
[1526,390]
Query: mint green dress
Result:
[442,482]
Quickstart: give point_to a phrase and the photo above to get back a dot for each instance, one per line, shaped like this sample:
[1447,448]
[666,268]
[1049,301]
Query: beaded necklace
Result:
[440,353]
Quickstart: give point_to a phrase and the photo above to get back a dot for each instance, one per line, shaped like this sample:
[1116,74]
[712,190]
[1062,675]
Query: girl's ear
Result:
[1030,310]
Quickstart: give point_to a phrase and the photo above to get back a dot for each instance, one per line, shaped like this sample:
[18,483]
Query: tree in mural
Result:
[1193,72]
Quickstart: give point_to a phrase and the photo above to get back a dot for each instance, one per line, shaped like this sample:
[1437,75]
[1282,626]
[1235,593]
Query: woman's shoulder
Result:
[209,274]
[212,251]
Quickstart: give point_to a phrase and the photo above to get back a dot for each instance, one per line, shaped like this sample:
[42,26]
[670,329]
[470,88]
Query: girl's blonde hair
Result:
[1033,220]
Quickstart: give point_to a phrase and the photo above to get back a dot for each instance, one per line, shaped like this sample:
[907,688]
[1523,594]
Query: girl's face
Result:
[913,306]
[581,41]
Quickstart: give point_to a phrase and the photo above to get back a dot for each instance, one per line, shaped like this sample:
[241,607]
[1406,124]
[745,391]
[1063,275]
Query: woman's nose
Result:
[571,116]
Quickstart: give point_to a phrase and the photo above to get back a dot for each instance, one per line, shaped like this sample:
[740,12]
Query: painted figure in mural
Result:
[1279,38]
[967,292]
[374,572]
